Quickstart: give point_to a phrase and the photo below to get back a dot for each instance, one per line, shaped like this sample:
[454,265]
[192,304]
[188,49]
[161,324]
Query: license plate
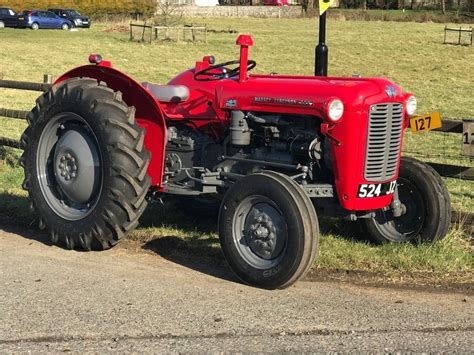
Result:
[425,122]
[21,18]
[376,190]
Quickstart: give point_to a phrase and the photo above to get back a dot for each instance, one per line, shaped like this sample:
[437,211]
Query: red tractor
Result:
[271,149]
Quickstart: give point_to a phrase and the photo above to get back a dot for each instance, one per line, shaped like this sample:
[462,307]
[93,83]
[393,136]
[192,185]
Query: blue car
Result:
[37,19]
[8,17]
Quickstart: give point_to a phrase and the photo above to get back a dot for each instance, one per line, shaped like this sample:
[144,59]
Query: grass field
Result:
[410,54]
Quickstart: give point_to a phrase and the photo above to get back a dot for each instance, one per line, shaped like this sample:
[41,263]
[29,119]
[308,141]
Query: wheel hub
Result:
[67,167]
[76,165]
[261,231]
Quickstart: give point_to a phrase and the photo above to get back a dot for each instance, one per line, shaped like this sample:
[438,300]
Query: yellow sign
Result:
[324,5]
[425,122]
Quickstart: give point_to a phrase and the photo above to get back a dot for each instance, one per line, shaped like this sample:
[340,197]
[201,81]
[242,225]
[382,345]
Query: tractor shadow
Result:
[192,253]
[185,236]
[190,238]
[16,218]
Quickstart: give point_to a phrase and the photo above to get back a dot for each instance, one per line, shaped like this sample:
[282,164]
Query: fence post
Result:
[47,79]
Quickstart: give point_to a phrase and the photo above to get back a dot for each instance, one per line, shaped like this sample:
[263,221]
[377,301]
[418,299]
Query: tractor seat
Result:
[168,93]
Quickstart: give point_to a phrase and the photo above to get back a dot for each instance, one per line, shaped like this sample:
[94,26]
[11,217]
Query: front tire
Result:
[268,230]
[85,165]
[65,27]
[35,26]
[427,208]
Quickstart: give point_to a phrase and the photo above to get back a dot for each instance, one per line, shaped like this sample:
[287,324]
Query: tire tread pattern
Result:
[126,183]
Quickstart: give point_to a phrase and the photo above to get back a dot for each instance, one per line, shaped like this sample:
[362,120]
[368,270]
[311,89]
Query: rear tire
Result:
[268,230]
[85,165]
[427,203]
[2,24]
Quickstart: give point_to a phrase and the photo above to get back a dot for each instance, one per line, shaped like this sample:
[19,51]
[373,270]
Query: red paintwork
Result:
[275,2]
[149,113]
[244,41]
[210,102]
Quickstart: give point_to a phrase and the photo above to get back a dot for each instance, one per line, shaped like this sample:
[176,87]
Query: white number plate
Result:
[376,190]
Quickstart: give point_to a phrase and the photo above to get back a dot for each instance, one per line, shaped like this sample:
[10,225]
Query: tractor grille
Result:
[383,143]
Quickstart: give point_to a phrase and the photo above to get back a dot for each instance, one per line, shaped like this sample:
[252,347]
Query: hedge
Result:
[88,7]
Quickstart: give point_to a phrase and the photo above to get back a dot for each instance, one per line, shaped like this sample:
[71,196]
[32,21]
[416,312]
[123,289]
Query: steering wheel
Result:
[208,75]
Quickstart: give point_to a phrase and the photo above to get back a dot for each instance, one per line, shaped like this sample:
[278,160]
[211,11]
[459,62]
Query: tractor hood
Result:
[302,94]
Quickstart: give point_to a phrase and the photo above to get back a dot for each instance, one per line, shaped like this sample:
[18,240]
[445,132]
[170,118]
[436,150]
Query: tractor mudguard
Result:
[149,113]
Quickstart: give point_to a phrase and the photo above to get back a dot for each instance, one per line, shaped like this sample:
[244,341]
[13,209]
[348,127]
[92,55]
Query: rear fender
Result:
[148,115]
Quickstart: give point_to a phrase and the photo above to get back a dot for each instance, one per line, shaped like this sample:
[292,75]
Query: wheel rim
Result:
[65,27]
[35,26]
[407,226]
[69,166]
[260,232]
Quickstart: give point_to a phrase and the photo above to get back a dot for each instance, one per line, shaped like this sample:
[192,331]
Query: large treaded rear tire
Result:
[268,230]
[114,165]
[427,203]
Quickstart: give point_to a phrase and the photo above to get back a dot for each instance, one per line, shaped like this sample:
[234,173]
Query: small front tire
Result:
[65,27]
[427,206]
[268,230]
[35,26]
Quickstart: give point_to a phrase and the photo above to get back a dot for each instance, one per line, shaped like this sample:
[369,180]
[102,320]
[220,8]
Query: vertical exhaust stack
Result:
[321,58]
[244,41]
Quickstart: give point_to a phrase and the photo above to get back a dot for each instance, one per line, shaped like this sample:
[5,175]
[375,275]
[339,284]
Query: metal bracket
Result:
[318,190]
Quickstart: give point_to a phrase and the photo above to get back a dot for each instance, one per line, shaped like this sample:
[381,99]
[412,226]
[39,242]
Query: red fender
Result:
[148,115]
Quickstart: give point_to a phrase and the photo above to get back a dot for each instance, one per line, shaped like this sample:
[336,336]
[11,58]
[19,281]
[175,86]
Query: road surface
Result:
[122,300]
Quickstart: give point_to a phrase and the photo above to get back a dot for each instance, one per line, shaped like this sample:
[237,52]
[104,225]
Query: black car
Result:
[73,16]
[8,17]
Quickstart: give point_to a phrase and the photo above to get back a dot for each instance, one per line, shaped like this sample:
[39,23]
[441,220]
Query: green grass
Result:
[410,54]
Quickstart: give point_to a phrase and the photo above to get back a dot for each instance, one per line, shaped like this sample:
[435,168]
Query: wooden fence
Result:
[446,170]
[155,31]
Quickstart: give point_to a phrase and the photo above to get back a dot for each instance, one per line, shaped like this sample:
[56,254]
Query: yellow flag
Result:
[324,5]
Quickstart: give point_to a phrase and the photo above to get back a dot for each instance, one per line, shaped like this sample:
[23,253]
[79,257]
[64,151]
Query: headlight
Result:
[411,105]
[335,109]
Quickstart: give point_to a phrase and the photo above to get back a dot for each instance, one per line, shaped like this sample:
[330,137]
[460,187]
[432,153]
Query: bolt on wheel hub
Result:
[76,161]
[261,231]
[67,167]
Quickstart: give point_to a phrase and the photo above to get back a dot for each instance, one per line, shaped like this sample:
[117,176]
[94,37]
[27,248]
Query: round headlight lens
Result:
[411,105]
[335,110]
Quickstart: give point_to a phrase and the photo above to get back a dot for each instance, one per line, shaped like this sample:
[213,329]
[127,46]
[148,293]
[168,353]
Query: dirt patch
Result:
[117,28]
[460,283]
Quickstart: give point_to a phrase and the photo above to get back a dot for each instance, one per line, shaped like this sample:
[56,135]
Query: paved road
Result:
[57,300]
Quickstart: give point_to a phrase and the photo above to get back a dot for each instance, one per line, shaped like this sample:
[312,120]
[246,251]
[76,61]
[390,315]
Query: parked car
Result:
[8,17]
[73,16]
[36,19]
